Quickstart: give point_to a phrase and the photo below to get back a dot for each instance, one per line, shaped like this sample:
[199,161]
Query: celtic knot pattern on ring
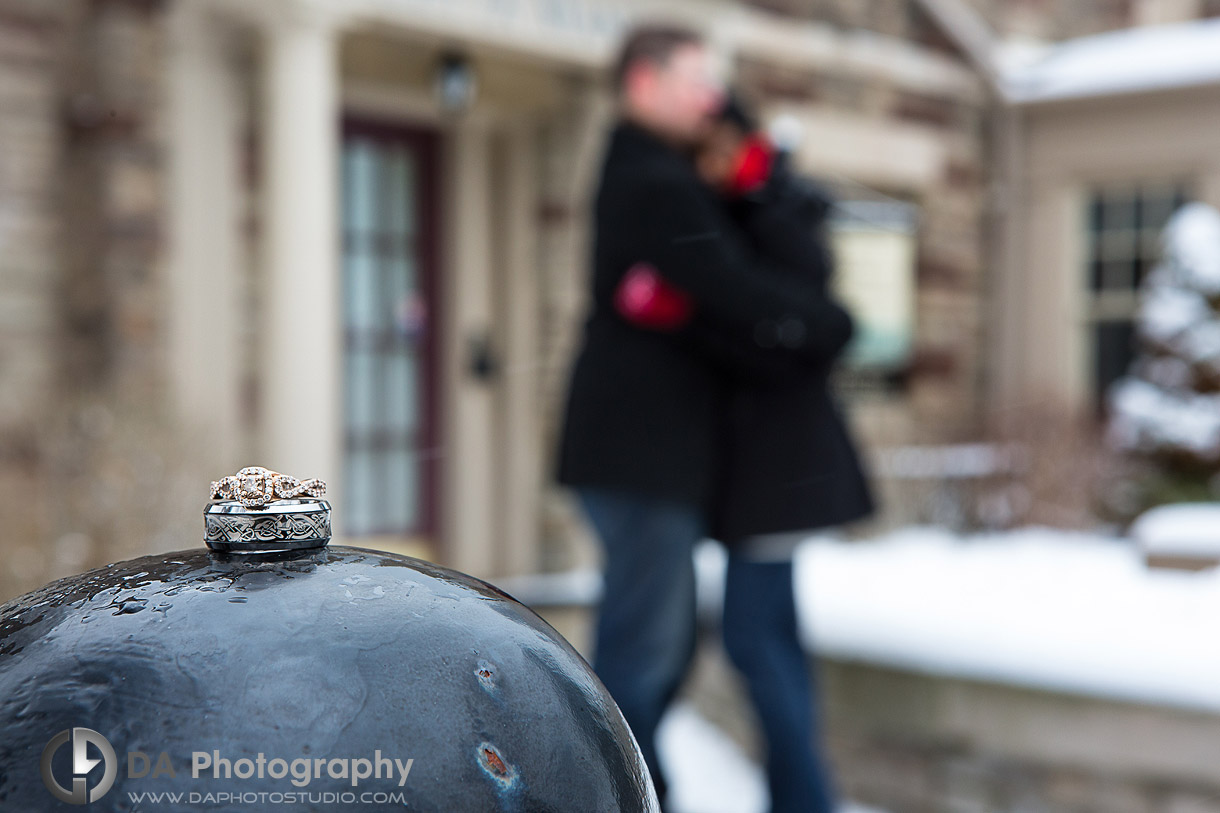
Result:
[279,528]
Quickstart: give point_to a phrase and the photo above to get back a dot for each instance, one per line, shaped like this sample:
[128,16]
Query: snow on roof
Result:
[1130,61]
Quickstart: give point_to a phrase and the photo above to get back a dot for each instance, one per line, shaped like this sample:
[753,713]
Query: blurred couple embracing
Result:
[700,405]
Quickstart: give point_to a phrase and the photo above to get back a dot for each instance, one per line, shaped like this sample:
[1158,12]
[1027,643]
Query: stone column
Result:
[518,299]
[467,469]
[572,140]
[204,305]
[301,341]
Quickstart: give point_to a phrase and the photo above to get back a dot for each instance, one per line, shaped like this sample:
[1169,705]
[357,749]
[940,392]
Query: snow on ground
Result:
[1148,58]
[1038,608]
[708,772]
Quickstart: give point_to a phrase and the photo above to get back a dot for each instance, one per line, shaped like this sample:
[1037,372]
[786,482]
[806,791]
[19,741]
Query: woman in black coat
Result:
[789,468]
[790,464]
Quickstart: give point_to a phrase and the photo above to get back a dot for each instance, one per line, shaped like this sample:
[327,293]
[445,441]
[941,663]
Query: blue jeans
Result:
[763,642]
[646,622]
[646,638]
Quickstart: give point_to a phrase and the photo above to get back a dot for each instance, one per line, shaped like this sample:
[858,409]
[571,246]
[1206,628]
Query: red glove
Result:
[645,299]
[753,167]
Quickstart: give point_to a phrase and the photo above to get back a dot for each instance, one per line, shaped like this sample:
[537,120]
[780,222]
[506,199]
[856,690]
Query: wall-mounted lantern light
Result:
[455,83]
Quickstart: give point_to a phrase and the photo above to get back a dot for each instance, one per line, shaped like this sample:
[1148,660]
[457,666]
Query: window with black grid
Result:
[1123,243]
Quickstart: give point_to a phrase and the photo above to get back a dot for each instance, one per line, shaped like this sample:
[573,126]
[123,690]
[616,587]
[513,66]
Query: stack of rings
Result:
[255,486]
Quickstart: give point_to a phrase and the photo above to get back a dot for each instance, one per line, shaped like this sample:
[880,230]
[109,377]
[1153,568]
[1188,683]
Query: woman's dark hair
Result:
[736,111]
[651,42]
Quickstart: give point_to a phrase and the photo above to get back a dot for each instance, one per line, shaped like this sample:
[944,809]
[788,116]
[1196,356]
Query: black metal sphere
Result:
[320,656]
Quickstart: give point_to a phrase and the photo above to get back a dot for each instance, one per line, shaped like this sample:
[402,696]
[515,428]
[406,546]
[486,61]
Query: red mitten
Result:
[644,298]
[754,162]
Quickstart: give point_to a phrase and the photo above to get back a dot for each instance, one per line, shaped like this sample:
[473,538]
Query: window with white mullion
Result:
[382,397]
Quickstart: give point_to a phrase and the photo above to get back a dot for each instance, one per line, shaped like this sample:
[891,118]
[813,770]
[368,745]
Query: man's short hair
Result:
[651,42]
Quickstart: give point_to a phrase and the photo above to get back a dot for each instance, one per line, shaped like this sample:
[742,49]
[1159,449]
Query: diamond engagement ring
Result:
[254,486]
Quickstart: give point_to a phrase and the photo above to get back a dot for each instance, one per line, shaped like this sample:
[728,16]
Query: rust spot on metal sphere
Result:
[494,763]
[498,768]
[486,674]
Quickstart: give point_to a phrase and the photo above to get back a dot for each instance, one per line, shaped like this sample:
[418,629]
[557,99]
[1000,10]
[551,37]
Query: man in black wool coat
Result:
[643,431]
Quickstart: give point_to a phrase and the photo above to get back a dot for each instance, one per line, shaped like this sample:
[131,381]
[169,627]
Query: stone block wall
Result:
[87,456]
[921,744]
[32,38]
[907,742]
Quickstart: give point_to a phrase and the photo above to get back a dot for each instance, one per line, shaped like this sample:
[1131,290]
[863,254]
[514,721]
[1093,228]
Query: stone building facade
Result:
[179,181]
